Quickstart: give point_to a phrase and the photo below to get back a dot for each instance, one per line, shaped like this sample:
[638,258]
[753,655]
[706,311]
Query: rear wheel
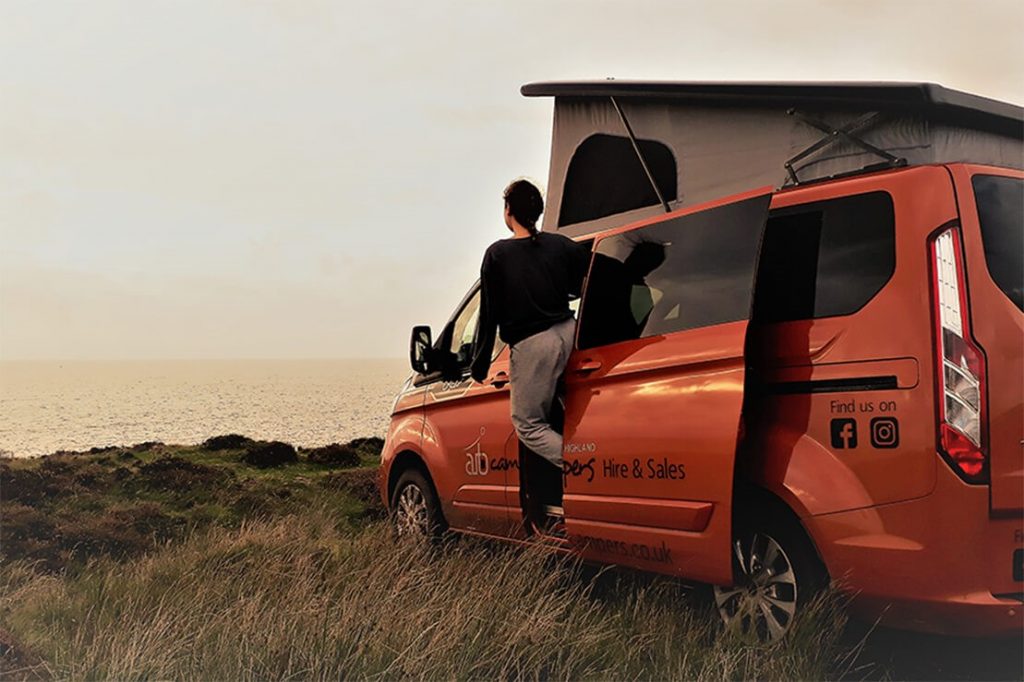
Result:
[415,509]
[777,573]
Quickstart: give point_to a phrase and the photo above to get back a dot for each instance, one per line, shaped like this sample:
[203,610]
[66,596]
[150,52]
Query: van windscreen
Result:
[1001,215]
[825,259]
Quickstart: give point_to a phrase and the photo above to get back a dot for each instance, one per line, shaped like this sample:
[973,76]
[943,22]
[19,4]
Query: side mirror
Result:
[420,347]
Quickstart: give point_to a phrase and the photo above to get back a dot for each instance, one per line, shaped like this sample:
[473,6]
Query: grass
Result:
[62,510]
[182,562]
[307,597]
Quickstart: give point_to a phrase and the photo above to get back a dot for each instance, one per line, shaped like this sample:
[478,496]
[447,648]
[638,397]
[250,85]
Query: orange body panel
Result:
[789,451]
[404,433]
[658,429]
[641,456]
[936,564]
[467,427]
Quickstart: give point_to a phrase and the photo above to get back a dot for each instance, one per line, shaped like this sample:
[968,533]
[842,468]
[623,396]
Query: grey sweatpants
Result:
[535,365]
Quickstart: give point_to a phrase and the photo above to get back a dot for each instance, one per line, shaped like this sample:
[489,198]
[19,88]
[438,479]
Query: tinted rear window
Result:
[605,177]
[682,273]
[825,259]
[1001,214]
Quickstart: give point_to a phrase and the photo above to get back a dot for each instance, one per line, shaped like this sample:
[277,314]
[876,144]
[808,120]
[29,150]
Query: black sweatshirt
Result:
[525,288]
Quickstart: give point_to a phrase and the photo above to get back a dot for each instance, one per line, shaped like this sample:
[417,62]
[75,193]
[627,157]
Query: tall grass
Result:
[304,597]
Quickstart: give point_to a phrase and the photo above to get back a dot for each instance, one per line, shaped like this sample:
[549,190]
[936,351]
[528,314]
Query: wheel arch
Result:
[751,500]
[405,460]
[808,477]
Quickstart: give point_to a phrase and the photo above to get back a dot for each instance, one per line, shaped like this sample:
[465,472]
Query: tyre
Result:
[415,509]
[777,574]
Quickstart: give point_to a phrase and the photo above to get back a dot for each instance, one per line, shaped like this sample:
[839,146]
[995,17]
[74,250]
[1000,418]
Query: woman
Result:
[527,282]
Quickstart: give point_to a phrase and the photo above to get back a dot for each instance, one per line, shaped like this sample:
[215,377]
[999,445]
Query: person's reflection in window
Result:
[619,301]
[644,259]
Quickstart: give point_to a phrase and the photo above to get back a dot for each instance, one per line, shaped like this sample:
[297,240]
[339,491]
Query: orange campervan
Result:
[818,376]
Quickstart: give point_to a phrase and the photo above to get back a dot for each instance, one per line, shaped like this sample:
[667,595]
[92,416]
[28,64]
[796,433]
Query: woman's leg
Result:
[535,365]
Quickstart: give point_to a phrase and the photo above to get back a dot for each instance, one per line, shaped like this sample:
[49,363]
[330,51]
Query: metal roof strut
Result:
[639,155]
[833,135]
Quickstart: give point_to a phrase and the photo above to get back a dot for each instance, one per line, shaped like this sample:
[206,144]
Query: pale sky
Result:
[299,179]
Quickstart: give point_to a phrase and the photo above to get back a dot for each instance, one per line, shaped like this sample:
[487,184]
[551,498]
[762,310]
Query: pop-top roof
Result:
[625,150]
[934,101]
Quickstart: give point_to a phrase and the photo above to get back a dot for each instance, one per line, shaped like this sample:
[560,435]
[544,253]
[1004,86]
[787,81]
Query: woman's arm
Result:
[487,326]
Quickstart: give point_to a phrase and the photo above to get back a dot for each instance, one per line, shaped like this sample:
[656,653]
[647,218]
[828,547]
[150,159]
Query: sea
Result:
[47,406]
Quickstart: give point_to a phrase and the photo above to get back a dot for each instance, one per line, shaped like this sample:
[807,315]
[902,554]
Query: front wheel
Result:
[777,573]
[415,509]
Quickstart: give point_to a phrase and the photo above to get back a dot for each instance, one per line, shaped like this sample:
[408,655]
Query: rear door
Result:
[655,389]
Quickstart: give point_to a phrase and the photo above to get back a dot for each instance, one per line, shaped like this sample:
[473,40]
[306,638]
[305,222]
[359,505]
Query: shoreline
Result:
[46,408]
[9,455]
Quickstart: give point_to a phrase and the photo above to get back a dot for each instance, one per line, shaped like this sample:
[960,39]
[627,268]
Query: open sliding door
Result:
[655,389]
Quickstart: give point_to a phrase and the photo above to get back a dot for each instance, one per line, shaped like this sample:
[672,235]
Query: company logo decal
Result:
[653,553]
[476,459]
[844,434]
[885,432]
[578,468]
[450,389]
[651,469]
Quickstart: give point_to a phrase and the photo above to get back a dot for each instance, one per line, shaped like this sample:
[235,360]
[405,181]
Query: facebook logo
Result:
[844,434]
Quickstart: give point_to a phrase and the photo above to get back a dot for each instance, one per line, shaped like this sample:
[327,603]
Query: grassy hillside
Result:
[67,508]
[244,560]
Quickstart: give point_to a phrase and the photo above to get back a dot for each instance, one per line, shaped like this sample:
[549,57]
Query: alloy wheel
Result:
[763,601]
[412,516]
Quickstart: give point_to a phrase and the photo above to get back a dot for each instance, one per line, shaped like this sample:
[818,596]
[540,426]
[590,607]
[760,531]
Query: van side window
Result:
[682,273]
[1001,214]
[825,259]
[605,177]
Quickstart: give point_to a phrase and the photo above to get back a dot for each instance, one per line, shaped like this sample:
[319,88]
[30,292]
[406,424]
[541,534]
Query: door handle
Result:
[499,379]
[587,366]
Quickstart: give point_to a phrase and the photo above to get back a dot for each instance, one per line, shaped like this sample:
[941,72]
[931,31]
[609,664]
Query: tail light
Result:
[960,364]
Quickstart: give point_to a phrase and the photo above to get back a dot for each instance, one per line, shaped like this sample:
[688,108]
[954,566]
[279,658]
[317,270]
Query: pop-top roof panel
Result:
[935,101]
[697,141]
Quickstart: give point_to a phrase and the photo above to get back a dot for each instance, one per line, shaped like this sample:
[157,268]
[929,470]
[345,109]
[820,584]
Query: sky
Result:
[304,179]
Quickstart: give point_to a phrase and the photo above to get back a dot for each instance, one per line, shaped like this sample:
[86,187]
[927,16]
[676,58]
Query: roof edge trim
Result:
[928,98]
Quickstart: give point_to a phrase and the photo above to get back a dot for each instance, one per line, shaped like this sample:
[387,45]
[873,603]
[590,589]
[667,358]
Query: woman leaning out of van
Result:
[527,281]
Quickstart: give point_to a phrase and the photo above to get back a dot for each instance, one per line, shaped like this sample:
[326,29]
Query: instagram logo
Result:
[885,432]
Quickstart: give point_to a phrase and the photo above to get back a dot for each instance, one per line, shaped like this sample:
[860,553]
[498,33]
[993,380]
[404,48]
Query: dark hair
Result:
[525,204]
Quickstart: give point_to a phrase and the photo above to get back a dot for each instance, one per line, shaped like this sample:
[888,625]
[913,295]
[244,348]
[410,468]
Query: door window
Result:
[463,332]
[692,271]
[1001,214]
[464,329]
[825,259]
